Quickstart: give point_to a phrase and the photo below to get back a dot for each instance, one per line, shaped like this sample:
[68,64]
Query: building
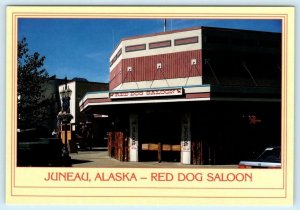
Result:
[79,88]
[199,96]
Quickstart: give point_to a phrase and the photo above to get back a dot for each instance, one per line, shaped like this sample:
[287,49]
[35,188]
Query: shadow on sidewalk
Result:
[75,161]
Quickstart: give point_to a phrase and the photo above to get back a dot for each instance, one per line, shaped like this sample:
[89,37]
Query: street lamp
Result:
[64,116]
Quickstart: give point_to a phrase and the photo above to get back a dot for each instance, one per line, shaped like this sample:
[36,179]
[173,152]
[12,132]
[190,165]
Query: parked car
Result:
[269,158]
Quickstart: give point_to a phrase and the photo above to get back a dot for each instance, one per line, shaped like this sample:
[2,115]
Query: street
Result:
[98,158]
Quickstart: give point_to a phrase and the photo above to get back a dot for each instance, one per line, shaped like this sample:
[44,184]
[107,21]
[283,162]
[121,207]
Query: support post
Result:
[186,138]
[133,138]
[159,149]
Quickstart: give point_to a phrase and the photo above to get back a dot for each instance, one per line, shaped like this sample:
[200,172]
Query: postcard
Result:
[138,105]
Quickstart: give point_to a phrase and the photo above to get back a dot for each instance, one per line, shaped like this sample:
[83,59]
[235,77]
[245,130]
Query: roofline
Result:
[162,33]
[114,49]
[233,29]
[88,82]
[70,81]
[192,29]
[153,34]
[186,29]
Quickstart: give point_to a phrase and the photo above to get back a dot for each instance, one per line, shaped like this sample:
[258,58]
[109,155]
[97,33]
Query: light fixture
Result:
[158,66]
[65,117]
[193,62]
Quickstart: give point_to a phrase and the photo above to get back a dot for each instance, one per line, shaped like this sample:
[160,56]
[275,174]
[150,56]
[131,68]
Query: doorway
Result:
[159,136]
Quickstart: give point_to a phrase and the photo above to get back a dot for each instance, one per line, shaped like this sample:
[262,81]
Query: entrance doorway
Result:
[159,136]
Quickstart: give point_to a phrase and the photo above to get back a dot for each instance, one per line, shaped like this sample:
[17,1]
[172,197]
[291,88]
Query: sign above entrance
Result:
[146,93]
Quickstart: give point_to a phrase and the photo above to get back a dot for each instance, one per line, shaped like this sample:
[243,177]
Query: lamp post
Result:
[65,117]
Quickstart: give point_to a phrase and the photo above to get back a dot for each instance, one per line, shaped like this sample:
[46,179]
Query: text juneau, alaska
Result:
[153,177]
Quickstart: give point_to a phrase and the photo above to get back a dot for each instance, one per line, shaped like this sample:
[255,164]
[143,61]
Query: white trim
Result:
[115,51]
[115,63]
[120,46]
[93,95]
[163,50]
[203,89]
[157,51]
[97,95]
[147,93]
[145,102]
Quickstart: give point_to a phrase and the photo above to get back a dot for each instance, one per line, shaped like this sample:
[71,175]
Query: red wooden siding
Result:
[174,65]
[115,76]
[118,145]
[197,95]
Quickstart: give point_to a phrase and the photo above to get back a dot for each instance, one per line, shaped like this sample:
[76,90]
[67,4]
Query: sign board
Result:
[146,93]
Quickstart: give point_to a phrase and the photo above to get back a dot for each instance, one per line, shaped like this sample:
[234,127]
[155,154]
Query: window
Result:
[135,48]
[188,40]
[161,44]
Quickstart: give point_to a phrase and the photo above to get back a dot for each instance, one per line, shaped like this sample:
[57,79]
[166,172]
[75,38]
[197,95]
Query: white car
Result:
[270,158]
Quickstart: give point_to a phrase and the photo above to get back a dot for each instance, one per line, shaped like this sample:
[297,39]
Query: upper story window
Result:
[133,48]
[116,57]
[188,40]
[119,53]
[161,44]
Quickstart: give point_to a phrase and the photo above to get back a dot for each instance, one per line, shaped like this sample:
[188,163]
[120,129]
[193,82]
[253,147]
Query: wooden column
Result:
[159,149]
[197,153]
[133,138]
[186,138]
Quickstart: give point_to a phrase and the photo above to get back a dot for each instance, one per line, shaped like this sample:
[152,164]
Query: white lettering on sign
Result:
[146,93]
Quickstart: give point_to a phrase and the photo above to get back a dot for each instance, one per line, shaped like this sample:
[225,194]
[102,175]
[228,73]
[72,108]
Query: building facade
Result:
[196,96]
[82,120]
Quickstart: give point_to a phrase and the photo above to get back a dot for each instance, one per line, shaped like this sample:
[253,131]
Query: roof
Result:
[186,29]
[161,33]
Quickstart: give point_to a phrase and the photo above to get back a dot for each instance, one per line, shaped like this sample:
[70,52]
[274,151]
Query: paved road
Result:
[101,159]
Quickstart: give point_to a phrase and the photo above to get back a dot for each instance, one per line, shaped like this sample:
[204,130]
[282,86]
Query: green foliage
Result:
[32,105]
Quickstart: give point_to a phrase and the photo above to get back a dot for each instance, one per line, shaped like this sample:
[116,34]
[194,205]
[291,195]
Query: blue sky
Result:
[82,47]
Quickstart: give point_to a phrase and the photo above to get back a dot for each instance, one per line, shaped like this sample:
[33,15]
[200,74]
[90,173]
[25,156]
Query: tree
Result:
[32,105]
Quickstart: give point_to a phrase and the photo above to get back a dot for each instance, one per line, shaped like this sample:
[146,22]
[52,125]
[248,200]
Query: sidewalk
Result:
[99,158]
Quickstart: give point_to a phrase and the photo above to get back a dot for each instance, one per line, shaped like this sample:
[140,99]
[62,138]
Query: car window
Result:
[270,155]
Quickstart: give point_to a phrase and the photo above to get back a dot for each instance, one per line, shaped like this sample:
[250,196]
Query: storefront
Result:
[179,96]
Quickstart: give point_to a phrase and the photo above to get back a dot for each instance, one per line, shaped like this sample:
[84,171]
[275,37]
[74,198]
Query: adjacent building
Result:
[80,88]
